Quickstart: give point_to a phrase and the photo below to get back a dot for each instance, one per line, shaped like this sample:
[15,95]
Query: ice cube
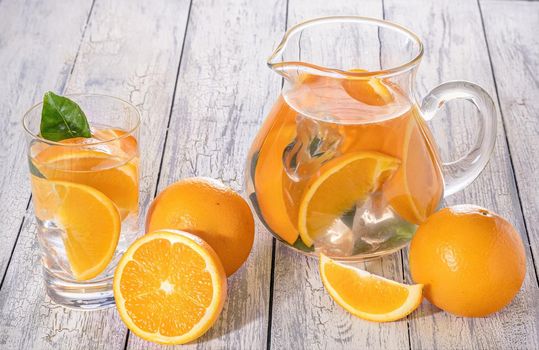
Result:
[338,240]
[316,142]
[376,225]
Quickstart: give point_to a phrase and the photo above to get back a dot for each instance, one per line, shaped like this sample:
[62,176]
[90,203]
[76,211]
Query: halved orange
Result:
[90,220]
[368,296]
[339,184]
[169,287]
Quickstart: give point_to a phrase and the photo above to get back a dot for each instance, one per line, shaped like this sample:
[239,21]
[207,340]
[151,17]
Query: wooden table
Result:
[196,70]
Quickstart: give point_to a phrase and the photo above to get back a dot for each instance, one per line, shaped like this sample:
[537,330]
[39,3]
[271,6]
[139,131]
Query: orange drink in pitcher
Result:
[345,163]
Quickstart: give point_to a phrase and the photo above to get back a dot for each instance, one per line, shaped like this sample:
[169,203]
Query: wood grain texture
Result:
[223,90]
[514,49]
[304,315]
[36,55]
[456,49]
[131,49]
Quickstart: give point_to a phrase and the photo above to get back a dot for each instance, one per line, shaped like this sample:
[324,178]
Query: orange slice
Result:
[102,171]
[339,184]
[366,295]
[369,90]
[417,187]
[128,143]
[90,220]
[169,287]
[66,157]
[269,174]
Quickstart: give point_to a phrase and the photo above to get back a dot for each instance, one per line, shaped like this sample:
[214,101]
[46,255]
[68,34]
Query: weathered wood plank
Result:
[456,49]
[36,54]
[514,48]
[131,49]
[222,91]
[304,315]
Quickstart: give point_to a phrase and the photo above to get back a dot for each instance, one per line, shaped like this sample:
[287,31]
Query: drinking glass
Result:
[85,198]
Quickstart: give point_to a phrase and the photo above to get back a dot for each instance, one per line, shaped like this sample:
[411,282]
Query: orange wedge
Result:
[112,176]
[128,143]
[369,90]
[269,174]
[89,218]
[417,187]
[169,287]
[339,184]
[368,296]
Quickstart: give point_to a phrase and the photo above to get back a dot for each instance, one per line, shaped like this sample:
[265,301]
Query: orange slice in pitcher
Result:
[269,173]
[416,189]
[366,295]
[369,90]
[339,184]
[90,220]
[169,287]
[100,170]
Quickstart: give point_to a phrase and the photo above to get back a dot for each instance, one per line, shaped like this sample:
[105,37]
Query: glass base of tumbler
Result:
[79,295]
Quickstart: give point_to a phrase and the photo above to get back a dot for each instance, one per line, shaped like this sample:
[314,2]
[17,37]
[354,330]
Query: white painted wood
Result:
[514,48]
[223,90]
[456,49]
[36,54]
[131,49]
[304,316]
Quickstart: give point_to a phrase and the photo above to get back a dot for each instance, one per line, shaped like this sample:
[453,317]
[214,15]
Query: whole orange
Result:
[471,261]
[210,210]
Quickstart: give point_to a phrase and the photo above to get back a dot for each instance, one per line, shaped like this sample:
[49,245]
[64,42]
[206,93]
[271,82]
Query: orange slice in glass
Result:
[128,143]
[169,287]
[88,217]
[104,172]
[366,295]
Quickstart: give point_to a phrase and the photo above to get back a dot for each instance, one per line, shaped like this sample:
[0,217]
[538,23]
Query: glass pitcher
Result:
[345,163]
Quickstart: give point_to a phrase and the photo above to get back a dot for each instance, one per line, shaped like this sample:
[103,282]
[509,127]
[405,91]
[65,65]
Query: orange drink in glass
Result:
[85,195]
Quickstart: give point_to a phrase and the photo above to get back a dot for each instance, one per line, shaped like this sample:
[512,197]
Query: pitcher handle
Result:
[460,173]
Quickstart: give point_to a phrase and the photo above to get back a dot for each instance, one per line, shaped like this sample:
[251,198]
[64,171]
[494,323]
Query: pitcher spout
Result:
[304,49]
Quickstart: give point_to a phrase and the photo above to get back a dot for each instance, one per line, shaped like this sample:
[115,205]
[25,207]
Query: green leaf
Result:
[34,170]
[62,119]
[302,246]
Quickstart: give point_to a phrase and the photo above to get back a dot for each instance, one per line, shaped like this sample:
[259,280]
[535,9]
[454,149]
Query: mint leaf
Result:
[62,119]
[34,170]
[302,246]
